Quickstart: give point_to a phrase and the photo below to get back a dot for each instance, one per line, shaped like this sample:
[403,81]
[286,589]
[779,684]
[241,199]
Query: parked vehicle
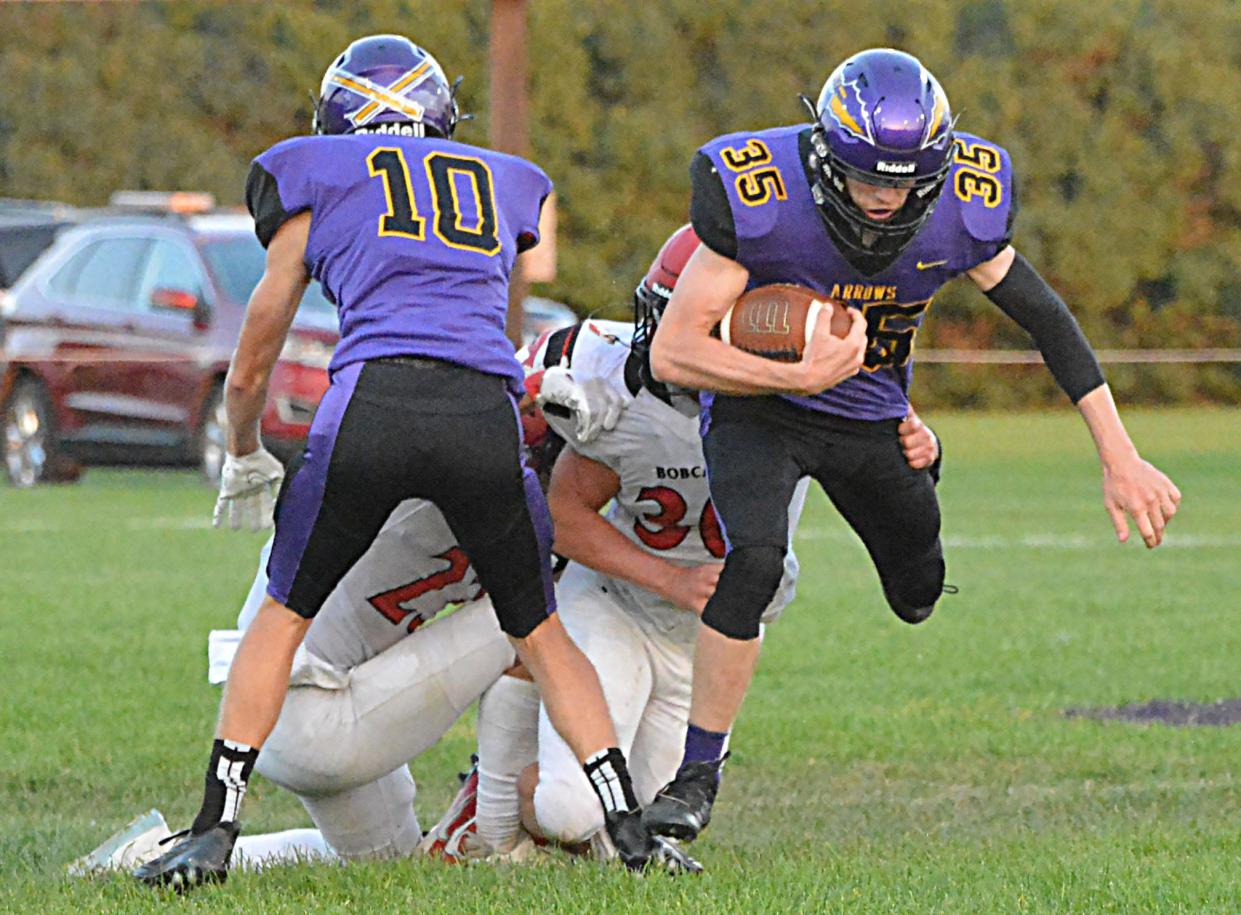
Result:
[540,314]
[118,339]
[27,228]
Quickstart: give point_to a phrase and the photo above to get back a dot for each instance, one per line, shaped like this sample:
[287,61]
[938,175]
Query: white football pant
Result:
[647,680]
[343,752]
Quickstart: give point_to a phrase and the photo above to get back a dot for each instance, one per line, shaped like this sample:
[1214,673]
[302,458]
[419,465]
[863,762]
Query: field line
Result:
[41,526]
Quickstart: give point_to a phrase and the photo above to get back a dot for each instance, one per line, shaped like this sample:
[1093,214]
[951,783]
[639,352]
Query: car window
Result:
[171,266]
[65,279]
[238,263]
[109,277]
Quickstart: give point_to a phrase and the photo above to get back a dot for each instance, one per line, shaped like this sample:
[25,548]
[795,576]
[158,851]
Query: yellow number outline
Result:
[751,155]
[969,183]
[383,173]
[764,181]
[478,200]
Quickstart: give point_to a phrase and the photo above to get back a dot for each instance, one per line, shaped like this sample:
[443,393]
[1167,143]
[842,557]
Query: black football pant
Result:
[394,429]
[757,448]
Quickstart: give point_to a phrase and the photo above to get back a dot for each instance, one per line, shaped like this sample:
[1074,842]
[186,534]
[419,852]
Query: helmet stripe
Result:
[841,113]
[937,116]
[362,86]
[369,111]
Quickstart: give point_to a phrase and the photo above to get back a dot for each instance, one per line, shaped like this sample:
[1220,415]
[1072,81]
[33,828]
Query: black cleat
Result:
[682,808]
[193,860]
[640,851]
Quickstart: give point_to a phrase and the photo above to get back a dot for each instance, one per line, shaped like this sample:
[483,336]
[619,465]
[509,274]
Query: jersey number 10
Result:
[447,176]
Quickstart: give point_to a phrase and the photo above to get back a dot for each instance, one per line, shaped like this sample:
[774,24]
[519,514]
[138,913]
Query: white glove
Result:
[248,488]
[596,404]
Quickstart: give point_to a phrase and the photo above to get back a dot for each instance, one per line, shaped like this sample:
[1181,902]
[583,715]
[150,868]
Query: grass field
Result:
[876,768]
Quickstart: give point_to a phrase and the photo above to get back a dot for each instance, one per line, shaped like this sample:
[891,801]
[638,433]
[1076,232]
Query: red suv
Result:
[117,340]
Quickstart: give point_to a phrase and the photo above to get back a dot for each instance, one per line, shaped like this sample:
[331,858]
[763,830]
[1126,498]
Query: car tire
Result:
[213,436]
[31,454]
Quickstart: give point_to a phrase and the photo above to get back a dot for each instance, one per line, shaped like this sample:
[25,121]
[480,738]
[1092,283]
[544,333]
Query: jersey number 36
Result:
[663,530]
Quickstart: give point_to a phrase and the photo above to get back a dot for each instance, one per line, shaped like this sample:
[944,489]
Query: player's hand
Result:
[920,444]
[248,488]
[690,588]
[1142,491]
[828,359]
[596,405]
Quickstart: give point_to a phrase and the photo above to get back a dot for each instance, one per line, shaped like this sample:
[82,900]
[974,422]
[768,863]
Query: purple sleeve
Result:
[279,186]
[538,186]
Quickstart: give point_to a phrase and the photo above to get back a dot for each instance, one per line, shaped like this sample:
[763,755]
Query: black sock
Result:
[227,774]
[609,776]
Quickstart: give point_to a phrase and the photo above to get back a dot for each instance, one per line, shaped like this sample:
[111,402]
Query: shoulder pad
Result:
[981,181]
[750,164]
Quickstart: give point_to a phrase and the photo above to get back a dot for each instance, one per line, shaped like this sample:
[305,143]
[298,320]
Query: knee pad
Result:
[912,594]
[748,583]
[567,811]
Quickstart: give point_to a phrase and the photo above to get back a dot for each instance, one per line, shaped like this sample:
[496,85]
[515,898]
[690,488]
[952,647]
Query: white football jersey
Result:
[411,571]
[664,504]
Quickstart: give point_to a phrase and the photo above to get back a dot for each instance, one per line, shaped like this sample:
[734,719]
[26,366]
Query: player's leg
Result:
[564,806]
[753,471]
[343,751]
[372,820]
[508,727]
[289,846]
[895,510]
[658,745]
[397,705]
[330,509]
[497,511]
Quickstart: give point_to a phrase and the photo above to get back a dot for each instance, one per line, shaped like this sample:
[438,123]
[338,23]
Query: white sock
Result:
[508,742]
[293,846]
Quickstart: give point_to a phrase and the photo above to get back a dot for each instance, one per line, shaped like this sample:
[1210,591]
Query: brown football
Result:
[776,321]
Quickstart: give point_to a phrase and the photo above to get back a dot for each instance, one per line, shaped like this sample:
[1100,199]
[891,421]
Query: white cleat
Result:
[125,849]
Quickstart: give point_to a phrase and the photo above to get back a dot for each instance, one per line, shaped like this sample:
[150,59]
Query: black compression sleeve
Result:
[1025,297]
[709,211]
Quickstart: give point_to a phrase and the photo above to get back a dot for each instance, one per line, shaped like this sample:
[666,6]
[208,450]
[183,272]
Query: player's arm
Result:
[684,353]
[250,477]
[1130,485]
[268,316]
[579,488]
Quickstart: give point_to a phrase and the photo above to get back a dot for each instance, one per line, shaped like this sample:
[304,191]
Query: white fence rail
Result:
[1117,356]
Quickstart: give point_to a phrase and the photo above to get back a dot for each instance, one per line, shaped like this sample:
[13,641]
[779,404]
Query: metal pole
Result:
[508,124]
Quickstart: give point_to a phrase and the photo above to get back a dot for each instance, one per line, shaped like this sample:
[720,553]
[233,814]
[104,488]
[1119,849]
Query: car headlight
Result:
[307,351]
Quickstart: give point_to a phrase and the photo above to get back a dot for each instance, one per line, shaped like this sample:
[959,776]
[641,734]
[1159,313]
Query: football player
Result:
[414,237]
[639,578]
[876,203]
[378,679]
[641,574]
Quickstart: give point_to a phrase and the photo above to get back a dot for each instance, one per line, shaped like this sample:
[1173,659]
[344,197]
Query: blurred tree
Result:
[1120,123]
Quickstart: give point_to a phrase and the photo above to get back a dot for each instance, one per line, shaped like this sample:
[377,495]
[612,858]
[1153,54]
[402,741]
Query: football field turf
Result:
[877,767]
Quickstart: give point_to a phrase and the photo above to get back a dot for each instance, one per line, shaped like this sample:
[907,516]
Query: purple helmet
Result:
[386,84]
[883,119]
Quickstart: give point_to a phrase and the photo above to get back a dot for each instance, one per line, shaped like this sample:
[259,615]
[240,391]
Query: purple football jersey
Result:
[781,238]
[413,238]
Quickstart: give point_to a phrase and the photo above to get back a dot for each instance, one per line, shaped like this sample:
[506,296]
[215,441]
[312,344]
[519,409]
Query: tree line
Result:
[1120,122]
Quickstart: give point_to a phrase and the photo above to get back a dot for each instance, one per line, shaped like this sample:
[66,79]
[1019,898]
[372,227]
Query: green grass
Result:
[877,767]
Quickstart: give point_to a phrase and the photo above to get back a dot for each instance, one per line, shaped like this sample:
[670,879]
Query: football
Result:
[776,321]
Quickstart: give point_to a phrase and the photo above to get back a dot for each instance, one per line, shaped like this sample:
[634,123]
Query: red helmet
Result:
[651,297]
